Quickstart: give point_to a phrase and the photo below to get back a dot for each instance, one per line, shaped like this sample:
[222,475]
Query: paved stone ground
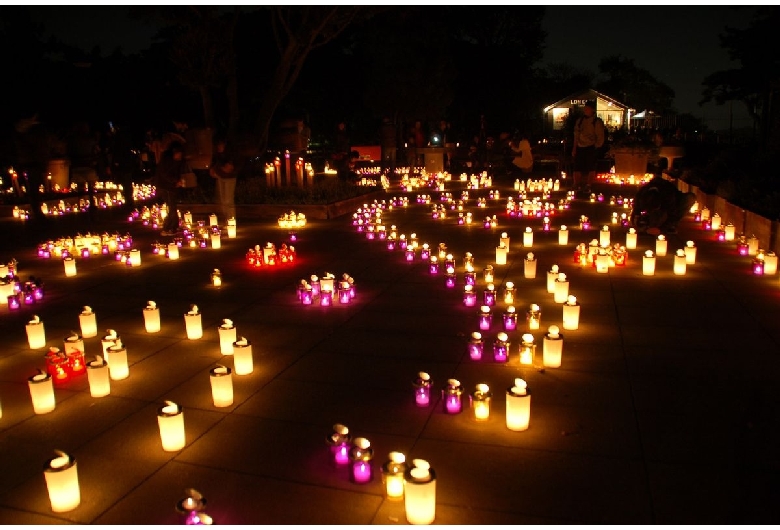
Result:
[664,410]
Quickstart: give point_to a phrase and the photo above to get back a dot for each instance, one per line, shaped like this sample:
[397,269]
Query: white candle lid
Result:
[520,386]
[193,310]
[420,469]
[504,235]
[227,323]
[87,310]
[661,237]
[242,341]
[690,244]
[485,309]
[649,254]
[397,457]
[424,376]
[554,332]
[605,228]
[530,256]
[110,334]
[534,307]
[563,228]
[571,300]
[476,335]
[220,369]
[510,285]
[680,253]
[453,383]
[338,428]
[60,461]
[554,269]
[35,319]
[73,337]
[527,337]
[561,277]
[482,387]
[97,362]
[170,407]
[151,305]
[491,287]
[502,336]
[510,309]
[362,443]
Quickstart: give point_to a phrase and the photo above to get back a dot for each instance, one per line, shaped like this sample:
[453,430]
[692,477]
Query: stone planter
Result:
[631,160]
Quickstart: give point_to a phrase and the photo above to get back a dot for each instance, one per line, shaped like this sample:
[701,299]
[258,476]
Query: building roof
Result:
[586,94]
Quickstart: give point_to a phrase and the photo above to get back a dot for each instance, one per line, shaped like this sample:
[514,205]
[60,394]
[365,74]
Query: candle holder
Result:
[501,254]
[326,298]
[420,493]
[518,406]
[552,347]
[62,482]
[563,235]
[730,232]
[705,214]
[509,293]
[571,313]
[758,266]
[469,296]
[510,319]
[715,222]
[602,261]
[527,350]
[73,343]
[604,236]
[36,335]
[489,295]
[70,266]
[742,246]
[450,280]
[476,346]
[107,341]
[422,389]
[480,402]
[528,237]
[170,420]
[752,243]
[661,245]
[243,360]
[770,263]
[560,288]
[501,348]
[151,317]
[488,274]
[57,365]
[339,442]
[193,324]
[98,377]
[485,318]
[88,322]
[76,363]
[433,265]
[393,475]
[117,357]
[534,317]
[648,263]
[679,262]
[425,252]
[451,397]
[216,278]
[41,387]
[344,292]
[14,302]
[221,378]
[529,266]
[173,251]
[504,240]
[360,455]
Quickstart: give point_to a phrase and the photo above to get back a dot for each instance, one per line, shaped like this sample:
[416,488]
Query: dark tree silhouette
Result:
[634,85]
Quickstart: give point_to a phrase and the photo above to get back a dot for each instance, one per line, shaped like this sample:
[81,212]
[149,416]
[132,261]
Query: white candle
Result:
[420,493]
[604,236]
[88,321]
[530,266]
[552,275]
[661,245]
[227,336]
[243,362]
[170,419]
[518,406]
[173,251]
[679,262]
[770,263]
[117,365]
[690,252]
[501,252]
[552,347]
[528,237]
[36,335]
[648,263]
[152,317]
[560,288]
[70,266]
[98,377]
[571,313]
[42,393]
[563,235]
[62,483]
[221,386]
[135,258]
[192,322]
[631,237]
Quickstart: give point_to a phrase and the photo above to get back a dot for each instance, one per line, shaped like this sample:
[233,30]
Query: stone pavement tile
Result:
[691,338]
[10,516]
[287,450]
[103,481]
[581,356]
[560,486]
[70,425]
[239,498]
[393,512]
[358,404]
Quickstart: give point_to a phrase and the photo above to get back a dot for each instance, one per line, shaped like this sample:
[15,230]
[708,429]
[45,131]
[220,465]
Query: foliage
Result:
[634,85]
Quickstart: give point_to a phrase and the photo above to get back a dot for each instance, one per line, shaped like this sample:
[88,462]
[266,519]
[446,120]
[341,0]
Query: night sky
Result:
[678,45]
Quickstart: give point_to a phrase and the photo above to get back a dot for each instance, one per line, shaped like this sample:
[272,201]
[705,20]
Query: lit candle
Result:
[501,348]
[527,350]
[107,341]
[173,251]
[563,235]
[518,406]
[216,239]
[504,240]
[509,293]
[534,317]
[560,288]
[339,441]
[602,261]
[475,346]
[648,263]
[752,243]
[62,482]
[420,493]
[221,378]
[393,475]
[488,274]
[770,263]
[604,236]
[730,232]
[98,377]
[117,365]
[485,318]
[41,389]
[510,319]
[679,262]
[489,295]
[151,317]
[661,245]
[690,252]
[231,228]
[501,252]
[422,389]
[530,266]
[552,275]
[705,214]
[88,321]
[758,266]
[73,343]
[715,222]
[552,347]
[216,278]
[227,336]
[192,322]
[631,238]
[361,455]
[36,335]
[528,237]
[243,361]
[469,296]
[451,397]
[571,313]
[170,419]
[480,402]
[70,266]
[134,259]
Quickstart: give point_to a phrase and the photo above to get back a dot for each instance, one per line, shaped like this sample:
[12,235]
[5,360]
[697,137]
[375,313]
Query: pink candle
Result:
[453,404]
[361,472]
[341,454]
[422,396]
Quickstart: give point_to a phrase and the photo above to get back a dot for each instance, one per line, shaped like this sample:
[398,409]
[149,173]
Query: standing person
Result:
[523,157]
[33,151]
[588,139]
[168,179]
[123,163]
[341,148]
[388,142]
[224,171]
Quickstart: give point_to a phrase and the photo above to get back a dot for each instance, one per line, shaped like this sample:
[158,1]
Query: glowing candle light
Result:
[117,361]
[661,245]
[509,293]
[221,378]
[231,228]
[563,235]
[480,402]
[488,274]
[173,251]
[571,313]
[631,238]
[552,275]
[528,237]
[88,321]
[560,288]
[501,348]
[361,454]
[170,419]
[98,377]
[527,350]
[41,388]
[243,360]
[62,482]
[770,263]
[485,318]
[552,347]
[151,317]
[501,253]
[193,323]
[534,317]
[518,406]
[36,335]
[451,397]
[227,336]
[339,442]
[690,252]
[752,243]
[715,222]
[422,389]
[604,236]
[216,278]
[420,493]
[510,319]
[504,240]
[648,263]
[705,214]
[476,346]
[602,261]
[107,341]
[393,475]
[70,266]
[489,295]
[529,268]
[134,258]
[679,262]
[730,232]
[469,296]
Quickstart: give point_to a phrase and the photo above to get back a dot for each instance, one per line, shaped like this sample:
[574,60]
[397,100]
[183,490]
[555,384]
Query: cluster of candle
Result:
[62,365]
[601,256]
[192,507]
[153,216]
[292,220]
[14,292]
[268,256]
[537,186]
[523,207]
[84,246]
[326,288]
[630,180]
[102,200]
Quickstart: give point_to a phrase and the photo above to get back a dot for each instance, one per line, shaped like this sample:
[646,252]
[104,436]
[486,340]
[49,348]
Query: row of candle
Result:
[269,256]
[325,288]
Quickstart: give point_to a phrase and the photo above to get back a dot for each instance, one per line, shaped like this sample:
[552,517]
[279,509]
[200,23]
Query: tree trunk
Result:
[208,106]
[234,113]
